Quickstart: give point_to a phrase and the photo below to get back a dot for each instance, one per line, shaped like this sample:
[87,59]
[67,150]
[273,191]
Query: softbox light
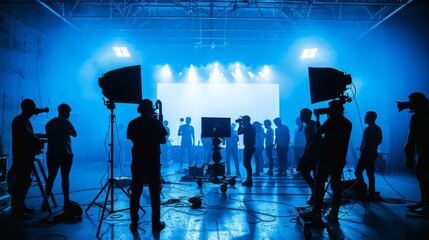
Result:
[122,85]
[327,83]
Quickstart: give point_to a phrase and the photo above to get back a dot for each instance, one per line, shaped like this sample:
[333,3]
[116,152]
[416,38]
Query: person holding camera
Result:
[146,133]
[371,138]
[186,131]
[25,146]
[281,143]
[248,131]
[336,131]
[417,147]
[59,153]
[308,161]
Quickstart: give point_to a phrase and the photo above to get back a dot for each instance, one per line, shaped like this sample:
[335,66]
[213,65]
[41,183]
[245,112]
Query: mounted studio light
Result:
[122,85]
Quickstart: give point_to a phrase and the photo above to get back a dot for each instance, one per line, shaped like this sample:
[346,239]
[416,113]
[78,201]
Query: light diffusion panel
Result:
[196,100]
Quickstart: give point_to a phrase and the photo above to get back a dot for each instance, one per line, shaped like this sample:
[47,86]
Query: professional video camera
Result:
[239,120]
[216,129]
[404,105]
[41,110]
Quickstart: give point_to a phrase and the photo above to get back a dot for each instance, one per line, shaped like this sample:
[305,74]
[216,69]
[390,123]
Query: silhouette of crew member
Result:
[299,142]
[25,146]
[186,131]
[282,145]
[248,131]
[59,153]
[269,145]
[231,150]
[371,138]
[166,146]
[336,130]
[308,161]
[259,147]
[417,146]
[146,134]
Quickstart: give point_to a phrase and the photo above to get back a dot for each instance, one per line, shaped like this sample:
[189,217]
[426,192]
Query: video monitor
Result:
[213,127]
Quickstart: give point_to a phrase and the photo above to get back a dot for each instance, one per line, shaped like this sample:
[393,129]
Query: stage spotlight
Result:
[238,75]
[192,74]
[251,75]
[121,52]
[215,75]
[122,85]
[166,73]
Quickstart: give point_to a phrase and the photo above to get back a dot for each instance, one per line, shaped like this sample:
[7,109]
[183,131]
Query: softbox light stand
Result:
[111,182]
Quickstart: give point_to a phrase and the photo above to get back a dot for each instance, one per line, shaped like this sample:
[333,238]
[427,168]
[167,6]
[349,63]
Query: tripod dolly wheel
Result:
[232,182]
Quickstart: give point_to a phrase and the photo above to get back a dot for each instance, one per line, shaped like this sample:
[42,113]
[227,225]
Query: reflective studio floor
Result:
[268,210]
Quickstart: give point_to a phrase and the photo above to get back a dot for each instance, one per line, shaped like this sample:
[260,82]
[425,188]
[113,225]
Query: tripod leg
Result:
[99,193]
[39,182]
[126,193]
[104,206]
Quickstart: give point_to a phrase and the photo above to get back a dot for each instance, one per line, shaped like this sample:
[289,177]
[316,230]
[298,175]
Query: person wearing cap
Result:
[146,133]
[59,154]
[25,146]
[336,132]
[371,138]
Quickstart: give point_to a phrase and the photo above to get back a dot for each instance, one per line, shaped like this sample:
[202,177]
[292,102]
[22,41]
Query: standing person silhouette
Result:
[186,131]
[308,161]
[282,146]
[59,153]
[231,150]
[25,146]
[336,130]
[166,146]
[146,134]
[417,147]
[269,145]
[259,147]
[371,138]
[248,131]
[299,142]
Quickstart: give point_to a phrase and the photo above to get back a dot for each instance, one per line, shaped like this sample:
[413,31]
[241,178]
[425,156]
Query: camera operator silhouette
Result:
[259,147]
[336,130]
[146,134]
[310,157]
[417,147]
[186,131]
[59,153]
[371,138]
[281,143]
[25,146]
[248,131]
[269,145]
[231,150]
